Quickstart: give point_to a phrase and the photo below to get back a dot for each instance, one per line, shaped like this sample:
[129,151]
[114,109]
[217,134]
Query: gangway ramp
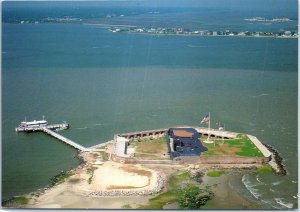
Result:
[64,139]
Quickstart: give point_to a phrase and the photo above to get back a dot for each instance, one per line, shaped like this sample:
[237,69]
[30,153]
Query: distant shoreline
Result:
[197,35]
[131,29]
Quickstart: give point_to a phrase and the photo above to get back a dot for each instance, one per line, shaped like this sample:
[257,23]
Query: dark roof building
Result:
[184,142]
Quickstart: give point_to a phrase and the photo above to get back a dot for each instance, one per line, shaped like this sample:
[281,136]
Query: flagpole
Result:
[223,133]
[208,126]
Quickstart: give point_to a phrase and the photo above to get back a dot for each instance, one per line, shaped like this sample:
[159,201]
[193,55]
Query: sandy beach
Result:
[75,191]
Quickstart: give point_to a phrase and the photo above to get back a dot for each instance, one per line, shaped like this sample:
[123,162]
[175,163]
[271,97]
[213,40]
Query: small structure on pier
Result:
[32,126]
[42,126]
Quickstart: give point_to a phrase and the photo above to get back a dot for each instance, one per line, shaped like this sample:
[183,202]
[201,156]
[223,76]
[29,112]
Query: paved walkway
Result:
[260,146]
[64,139]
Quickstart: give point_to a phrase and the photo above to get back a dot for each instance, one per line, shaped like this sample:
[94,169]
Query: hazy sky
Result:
[197,3]
[290,6]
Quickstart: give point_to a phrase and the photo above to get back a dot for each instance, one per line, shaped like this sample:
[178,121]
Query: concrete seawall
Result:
[230,160]
[132,160]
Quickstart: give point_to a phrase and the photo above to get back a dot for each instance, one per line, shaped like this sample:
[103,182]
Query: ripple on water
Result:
[251,186]
[284,203]
[274,202]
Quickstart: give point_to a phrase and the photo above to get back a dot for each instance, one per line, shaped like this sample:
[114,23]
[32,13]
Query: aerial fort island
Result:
[169,168]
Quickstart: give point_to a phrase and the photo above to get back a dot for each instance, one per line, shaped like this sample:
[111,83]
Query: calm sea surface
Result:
[104,83]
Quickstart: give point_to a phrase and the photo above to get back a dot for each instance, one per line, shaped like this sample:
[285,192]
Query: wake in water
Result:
[277,183]
[90,126]
[81,128]
[195,46]
[101,47]
[283,202]
[259,180]
[251,186]
[58,129]
[256,187]
[261,95]
[99,124]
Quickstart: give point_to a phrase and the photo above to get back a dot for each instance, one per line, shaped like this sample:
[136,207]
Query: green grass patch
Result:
[215,173]
[264,169]
[90,171]
[182,189]
[247,148]
[160,200]
[152,149]
[127,206]
[156,140]
[21,200]
[193,197]
[241,146]
[104,155]
[175,190]
[61,177]
[209,152]
[133,169]
[176,180]
[151,146]
[16,201]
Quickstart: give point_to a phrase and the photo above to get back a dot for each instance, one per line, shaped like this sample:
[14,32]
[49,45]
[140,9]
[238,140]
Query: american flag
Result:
[205,119]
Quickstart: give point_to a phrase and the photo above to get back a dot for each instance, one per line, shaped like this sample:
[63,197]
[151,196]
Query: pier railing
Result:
[64,139]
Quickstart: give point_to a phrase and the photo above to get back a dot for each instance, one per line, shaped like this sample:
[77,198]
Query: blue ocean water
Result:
[104,83]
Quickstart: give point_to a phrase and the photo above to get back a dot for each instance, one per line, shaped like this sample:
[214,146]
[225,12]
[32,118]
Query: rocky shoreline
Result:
[276,162]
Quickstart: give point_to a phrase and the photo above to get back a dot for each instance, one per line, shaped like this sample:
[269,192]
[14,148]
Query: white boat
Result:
[32,125]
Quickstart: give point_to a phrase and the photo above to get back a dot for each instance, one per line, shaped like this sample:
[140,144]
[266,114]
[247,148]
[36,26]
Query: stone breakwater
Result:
[159,185]
[277,162]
